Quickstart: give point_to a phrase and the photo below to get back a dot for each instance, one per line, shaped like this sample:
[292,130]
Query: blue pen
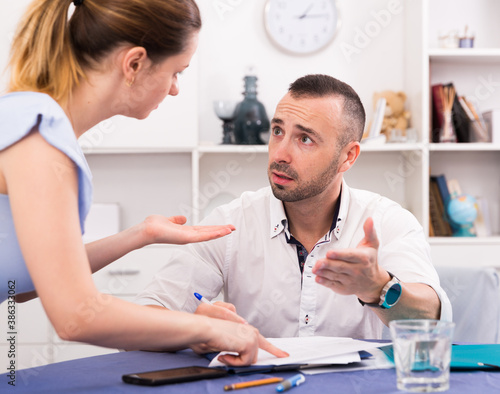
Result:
[202,299]
[289,383]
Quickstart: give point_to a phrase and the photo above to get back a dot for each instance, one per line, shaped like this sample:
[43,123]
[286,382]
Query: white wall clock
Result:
[301,27]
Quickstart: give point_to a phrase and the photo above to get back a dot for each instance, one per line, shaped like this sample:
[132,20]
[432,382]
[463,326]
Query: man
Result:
[310,256]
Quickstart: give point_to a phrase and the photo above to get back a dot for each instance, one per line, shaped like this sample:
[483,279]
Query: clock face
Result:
[301,26]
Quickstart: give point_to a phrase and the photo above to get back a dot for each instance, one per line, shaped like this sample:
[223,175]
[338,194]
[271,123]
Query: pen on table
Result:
[289,383]
[251,383]
[489,365]
[202,299]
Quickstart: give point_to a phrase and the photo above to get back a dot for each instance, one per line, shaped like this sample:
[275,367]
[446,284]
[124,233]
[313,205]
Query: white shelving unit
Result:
[464,55]
[474,72]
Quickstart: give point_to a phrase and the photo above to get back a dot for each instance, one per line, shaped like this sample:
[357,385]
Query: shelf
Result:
[187,149]
[469,241]
[464,147]
[232,148]
[464,55]
[134,150]
[386,147]
[391,147]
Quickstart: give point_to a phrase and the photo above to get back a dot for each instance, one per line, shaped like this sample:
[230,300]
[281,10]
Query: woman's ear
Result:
[349,156]
[133,61]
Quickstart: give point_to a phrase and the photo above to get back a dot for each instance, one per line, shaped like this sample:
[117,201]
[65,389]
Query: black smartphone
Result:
[174,375]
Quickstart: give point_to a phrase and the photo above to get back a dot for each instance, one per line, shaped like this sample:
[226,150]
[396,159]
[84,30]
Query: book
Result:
[437,111]
[473,104]
[433,213]
[440,224]
[443,187]
[476,132]
[466,108]
[461,122]
[431,227]
[443,200]
[478,128]
[436,228]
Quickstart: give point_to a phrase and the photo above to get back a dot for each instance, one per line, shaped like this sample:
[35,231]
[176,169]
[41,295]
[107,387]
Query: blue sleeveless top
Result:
[19,113]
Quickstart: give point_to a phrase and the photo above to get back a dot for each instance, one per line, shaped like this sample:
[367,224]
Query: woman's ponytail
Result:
[42,58]
[50,54]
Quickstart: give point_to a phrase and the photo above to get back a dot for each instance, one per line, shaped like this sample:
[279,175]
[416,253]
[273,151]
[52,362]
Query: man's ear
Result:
[133,61]
[349,155]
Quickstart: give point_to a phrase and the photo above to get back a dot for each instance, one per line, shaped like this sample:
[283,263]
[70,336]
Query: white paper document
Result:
[313,350]
[378,361]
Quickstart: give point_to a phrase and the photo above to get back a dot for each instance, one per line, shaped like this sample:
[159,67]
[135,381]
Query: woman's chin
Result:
[142,116]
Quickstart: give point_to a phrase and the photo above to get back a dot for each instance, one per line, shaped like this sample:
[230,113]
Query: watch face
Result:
[393,294]
[301,26]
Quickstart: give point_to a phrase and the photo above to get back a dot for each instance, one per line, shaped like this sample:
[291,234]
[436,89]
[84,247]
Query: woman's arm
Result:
[154,229]
[43,191]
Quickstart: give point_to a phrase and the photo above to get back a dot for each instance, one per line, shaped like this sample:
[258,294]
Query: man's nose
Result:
[280,151]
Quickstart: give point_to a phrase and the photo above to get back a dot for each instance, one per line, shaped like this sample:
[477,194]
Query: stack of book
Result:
[467,125]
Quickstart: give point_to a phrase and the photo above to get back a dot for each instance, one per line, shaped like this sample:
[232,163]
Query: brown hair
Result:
[353,114]
[51,53]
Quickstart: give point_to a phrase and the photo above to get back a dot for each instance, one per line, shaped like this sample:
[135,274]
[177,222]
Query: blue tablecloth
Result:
[102,374]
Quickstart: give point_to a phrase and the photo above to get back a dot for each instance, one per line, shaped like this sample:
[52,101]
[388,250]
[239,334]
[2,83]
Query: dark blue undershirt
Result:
[301,250]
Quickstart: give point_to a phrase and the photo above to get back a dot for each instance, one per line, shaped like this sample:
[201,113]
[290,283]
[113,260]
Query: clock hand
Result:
[315,16]
[304,14]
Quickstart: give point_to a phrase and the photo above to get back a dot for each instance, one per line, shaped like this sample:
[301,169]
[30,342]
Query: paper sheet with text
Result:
[312,350]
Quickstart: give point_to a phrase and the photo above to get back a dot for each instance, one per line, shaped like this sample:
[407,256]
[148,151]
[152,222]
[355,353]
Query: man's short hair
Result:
[320,85]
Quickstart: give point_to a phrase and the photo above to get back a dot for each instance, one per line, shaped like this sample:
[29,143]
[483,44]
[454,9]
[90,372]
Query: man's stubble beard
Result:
[310,188]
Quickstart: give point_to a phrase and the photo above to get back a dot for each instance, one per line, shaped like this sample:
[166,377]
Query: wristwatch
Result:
[390,295]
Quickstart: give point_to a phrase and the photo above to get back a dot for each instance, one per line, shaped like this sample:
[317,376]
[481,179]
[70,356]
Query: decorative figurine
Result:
[251,118]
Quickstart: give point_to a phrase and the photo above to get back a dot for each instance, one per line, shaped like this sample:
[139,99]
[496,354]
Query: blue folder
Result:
[467,357]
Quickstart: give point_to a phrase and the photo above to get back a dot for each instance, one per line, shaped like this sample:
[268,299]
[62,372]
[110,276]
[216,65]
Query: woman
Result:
[112,57]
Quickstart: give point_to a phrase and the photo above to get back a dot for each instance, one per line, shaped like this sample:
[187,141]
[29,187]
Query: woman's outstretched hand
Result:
[171,230]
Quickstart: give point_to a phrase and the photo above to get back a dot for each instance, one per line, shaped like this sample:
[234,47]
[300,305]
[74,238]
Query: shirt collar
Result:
[277,215]
[345,197]
[279,220]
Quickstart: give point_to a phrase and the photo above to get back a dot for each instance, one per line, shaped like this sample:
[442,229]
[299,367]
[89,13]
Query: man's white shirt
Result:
[258,271]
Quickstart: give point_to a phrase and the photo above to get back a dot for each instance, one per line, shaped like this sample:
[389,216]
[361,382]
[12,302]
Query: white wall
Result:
[9,17]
